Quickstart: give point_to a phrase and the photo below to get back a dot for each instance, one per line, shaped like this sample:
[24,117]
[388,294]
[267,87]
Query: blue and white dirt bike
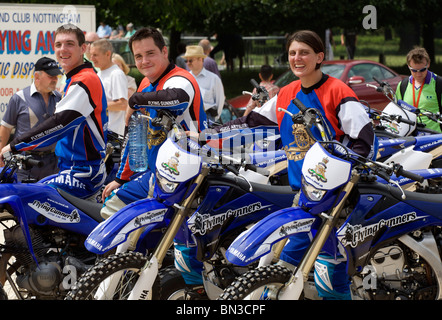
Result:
[402,138]
[392,238]
[42,235]
[195,201]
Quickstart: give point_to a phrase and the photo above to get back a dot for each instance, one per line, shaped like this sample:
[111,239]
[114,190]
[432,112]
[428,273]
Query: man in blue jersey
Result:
[79,125]
[170,86]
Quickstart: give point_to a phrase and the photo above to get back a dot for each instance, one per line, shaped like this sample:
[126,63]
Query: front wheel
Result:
[111,278]
[173,286]
[263,283]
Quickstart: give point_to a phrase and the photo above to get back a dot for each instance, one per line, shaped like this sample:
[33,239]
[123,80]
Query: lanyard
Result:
[416,104]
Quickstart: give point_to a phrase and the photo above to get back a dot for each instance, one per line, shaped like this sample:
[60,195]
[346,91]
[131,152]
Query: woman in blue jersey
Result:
[346,117]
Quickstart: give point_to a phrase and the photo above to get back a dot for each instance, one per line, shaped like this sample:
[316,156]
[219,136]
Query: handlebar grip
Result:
[377,80]
[300,105]
[402,119]
[256,169]
[408,174]
[254,83]
[232,169]
[34,163]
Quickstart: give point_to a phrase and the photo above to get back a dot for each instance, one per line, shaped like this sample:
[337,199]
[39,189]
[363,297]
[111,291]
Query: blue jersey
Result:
[79,125]
[345,115]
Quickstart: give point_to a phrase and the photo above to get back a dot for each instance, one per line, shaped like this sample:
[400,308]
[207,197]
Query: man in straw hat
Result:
[210,84]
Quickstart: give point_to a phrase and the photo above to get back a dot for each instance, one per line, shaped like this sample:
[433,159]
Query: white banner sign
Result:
[27,34]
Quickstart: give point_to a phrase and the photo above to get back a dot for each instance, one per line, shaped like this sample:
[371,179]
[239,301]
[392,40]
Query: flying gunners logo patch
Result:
[172,164]
[319,171]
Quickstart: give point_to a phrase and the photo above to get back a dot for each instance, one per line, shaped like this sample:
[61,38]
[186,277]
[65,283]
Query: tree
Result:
[263,17]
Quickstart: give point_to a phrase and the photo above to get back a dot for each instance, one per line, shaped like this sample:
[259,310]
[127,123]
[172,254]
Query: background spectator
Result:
[266,76]
[131,83]
[209,63]
[210,84]
[114,84]
[129,30]
[29,108]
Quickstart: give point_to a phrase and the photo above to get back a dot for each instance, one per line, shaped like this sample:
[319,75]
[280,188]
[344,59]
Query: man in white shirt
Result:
[210,84]
[114,82]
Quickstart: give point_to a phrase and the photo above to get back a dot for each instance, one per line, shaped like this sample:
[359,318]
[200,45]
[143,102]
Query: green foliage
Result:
[257,17]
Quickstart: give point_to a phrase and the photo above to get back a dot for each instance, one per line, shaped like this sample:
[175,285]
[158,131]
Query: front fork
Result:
[295,285]
[149,272]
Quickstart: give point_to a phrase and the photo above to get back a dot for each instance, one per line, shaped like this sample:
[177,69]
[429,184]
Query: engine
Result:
[50,278]
[395,273]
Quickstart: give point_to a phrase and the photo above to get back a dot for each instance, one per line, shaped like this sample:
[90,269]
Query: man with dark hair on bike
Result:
[172,88]
[79,125]
[169,86]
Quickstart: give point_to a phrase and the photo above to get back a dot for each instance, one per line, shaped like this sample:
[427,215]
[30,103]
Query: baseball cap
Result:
[48,65]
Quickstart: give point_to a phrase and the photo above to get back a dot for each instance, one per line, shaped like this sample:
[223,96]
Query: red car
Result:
[355,73]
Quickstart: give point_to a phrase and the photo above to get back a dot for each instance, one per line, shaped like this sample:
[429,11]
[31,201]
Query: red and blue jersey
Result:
[339,105]
[79,125]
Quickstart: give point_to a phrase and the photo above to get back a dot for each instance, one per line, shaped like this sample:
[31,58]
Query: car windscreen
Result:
[334,70]
[285,79]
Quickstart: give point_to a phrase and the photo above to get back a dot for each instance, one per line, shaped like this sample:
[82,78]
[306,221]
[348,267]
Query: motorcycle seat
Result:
[91,208]
[267,188]
[279,195]
[427,202]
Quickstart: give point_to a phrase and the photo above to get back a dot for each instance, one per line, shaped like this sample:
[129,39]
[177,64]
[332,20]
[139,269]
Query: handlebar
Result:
[14,162]
[300,105]
[20,160]
[381,83]
[386,89]
[400,171]
[33,163]
[254,83]
[402,119]
[310,117]
[261,95]
[307,115]
[167,121]
[380,169]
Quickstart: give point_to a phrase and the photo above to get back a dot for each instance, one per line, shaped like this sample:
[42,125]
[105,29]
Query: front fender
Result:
[116,229]
[258,240]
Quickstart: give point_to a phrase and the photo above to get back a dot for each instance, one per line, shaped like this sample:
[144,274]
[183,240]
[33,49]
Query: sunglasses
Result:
[418,70]
[188,60]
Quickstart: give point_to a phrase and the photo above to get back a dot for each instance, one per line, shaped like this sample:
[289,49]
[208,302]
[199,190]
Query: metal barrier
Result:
[258,50]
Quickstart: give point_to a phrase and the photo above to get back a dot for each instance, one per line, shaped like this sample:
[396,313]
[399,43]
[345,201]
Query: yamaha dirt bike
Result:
[402,138]
[194,200]
[392,238]
[224,205]
[42,235]
[399,118]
